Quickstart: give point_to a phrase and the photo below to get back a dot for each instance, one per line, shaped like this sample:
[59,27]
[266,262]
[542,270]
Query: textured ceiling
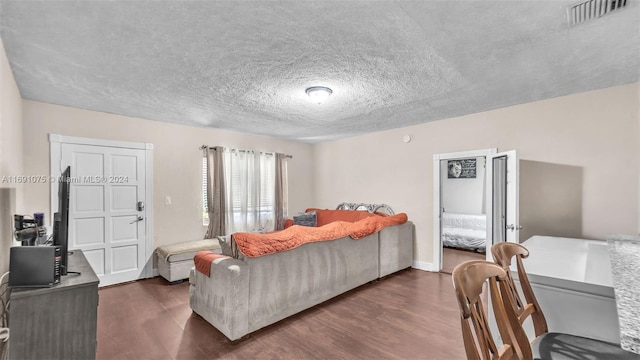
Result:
[245,65]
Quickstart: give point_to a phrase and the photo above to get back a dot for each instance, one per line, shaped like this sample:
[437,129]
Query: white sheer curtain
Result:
[250,190]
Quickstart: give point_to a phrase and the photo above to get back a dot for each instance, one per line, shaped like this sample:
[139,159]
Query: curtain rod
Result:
[238,150]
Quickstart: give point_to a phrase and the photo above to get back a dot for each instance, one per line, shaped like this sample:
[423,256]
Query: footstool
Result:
[176,260]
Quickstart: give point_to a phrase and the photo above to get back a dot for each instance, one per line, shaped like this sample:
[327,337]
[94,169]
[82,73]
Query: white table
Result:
[573,283]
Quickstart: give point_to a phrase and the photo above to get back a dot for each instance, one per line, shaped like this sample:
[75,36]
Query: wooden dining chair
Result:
[546,345]
[479,342]
[4,316]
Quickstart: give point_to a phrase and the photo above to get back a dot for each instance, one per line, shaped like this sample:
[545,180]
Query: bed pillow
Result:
[306,219]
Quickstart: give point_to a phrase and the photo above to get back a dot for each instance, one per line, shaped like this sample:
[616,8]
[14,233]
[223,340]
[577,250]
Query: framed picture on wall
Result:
[462,169]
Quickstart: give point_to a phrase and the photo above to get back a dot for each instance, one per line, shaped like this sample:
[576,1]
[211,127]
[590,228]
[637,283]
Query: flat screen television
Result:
[61,219]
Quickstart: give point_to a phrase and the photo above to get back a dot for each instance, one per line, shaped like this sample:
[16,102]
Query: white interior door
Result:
[503,179]
[107,212]
[502,198]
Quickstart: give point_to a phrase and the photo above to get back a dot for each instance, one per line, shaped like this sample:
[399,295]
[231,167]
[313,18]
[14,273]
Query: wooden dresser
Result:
[58,322]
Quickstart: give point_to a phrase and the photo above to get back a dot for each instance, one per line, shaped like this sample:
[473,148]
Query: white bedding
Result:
[464,231]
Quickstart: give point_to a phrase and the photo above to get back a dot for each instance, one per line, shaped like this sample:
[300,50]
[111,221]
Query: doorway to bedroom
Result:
[460,222]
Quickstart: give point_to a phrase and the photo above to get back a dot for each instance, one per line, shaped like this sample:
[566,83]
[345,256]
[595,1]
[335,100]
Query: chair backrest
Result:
[479,343]
[5,291]
[503,253]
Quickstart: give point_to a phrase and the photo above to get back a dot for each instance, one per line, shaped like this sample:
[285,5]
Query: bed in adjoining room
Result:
[464,231]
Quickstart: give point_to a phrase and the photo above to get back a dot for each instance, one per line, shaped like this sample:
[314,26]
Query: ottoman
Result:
[176,260]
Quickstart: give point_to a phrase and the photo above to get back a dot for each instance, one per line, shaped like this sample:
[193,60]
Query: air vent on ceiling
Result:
[593,9]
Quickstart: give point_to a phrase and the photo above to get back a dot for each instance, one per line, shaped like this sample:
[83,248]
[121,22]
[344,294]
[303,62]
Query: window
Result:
[249,188]
[250,191]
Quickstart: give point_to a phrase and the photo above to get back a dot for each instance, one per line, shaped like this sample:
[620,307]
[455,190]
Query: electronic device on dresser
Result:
[40,262]
[61,219]
[34,266]
[29,232]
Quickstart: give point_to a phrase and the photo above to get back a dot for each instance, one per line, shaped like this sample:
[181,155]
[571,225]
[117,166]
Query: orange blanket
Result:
[203,260]
[254,245]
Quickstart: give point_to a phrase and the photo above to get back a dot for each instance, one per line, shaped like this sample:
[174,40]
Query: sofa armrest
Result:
[396,248]
[223,297]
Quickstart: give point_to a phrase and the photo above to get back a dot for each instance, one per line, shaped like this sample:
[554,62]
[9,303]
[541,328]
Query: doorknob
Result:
[513,227]
[139,218]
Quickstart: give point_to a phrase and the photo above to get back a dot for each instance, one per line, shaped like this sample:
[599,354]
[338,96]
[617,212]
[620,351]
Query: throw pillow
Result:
[306,219]
[225,245]
[229,247]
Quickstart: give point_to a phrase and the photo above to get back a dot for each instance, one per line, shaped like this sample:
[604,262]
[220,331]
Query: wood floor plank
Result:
[409,315]
[452,257]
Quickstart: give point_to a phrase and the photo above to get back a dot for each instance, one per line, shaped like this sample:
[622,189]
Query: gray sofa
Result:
[242,296]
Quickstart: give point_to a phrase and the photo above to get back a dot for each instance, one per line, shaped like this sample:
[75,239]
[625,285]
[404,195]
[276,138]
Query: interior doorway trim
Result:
[55,152]
[437,198]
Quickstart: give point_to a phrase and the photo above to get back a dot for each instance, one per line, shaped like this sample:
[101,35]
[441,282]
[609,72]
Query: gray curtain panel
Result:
[215,192]
[281,196]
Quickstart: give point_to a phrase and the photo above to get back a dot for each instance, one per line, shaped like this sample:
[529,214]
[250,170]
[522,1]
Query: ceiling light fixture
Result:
[319,94]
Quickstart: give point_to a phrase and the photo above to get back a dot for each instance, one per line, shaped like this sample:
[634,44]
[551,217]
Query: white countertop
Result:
[624,252]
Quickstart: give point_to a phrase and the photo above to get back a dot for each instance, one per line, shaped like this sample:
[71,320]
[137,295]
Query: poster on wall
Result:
[462,169]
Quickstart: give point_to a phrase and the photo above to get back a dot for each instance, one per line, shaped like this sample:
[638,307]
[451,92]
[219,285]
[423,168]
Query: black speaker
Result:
[34,266]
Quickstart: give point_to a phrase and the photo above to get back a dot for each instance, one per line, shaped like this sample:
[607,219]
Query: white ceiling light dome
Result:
[319,94]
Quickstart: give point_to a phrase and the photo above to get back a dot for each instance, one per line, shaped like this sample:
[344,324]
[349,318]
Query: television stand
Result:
[58,322]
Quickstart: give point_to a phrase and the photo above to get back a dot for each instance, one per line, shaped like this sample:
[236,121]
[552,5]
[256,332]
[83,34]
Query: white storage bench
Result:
[176,260]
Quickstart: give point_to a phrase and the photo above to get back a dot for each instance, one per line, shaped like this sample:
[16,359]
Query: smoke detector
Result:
[592,9]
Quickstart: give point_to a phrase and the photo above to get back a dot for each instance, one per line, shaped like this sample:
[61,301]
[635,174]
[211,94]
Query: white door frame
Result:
[437,226]
[55,151]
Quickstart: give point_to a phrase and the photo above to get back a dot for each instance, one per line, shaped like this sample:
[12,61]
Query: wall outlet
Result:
[167,200]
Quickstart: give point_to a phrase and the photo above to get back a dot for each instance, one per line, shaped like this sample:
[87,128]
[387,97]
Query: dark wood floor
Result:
[452,257]
[409,315]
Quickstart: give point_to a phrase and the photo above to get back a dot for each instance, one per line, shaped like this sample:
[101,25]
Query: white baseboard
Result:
[156,272]
[425,266]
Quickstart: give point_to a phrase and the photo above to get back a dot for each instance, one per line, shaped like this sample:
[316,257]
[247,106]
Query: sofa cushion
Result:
[288,223]
[306,219]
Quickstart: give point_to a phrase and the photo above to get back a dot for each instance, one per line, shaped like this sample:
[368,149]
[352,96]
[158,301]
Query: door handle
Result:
[513,227]
[139,218]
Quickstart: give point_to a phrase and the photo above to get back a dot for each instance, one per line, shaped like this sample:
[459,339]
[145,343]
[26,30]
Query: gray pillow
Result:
[306,219]
[229,247]
[225,244]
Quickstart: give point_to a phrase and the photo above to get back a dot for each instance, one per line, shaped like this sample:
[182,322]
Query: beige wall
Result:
[10,156]
[593,135]
[177,161]
[592,138]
